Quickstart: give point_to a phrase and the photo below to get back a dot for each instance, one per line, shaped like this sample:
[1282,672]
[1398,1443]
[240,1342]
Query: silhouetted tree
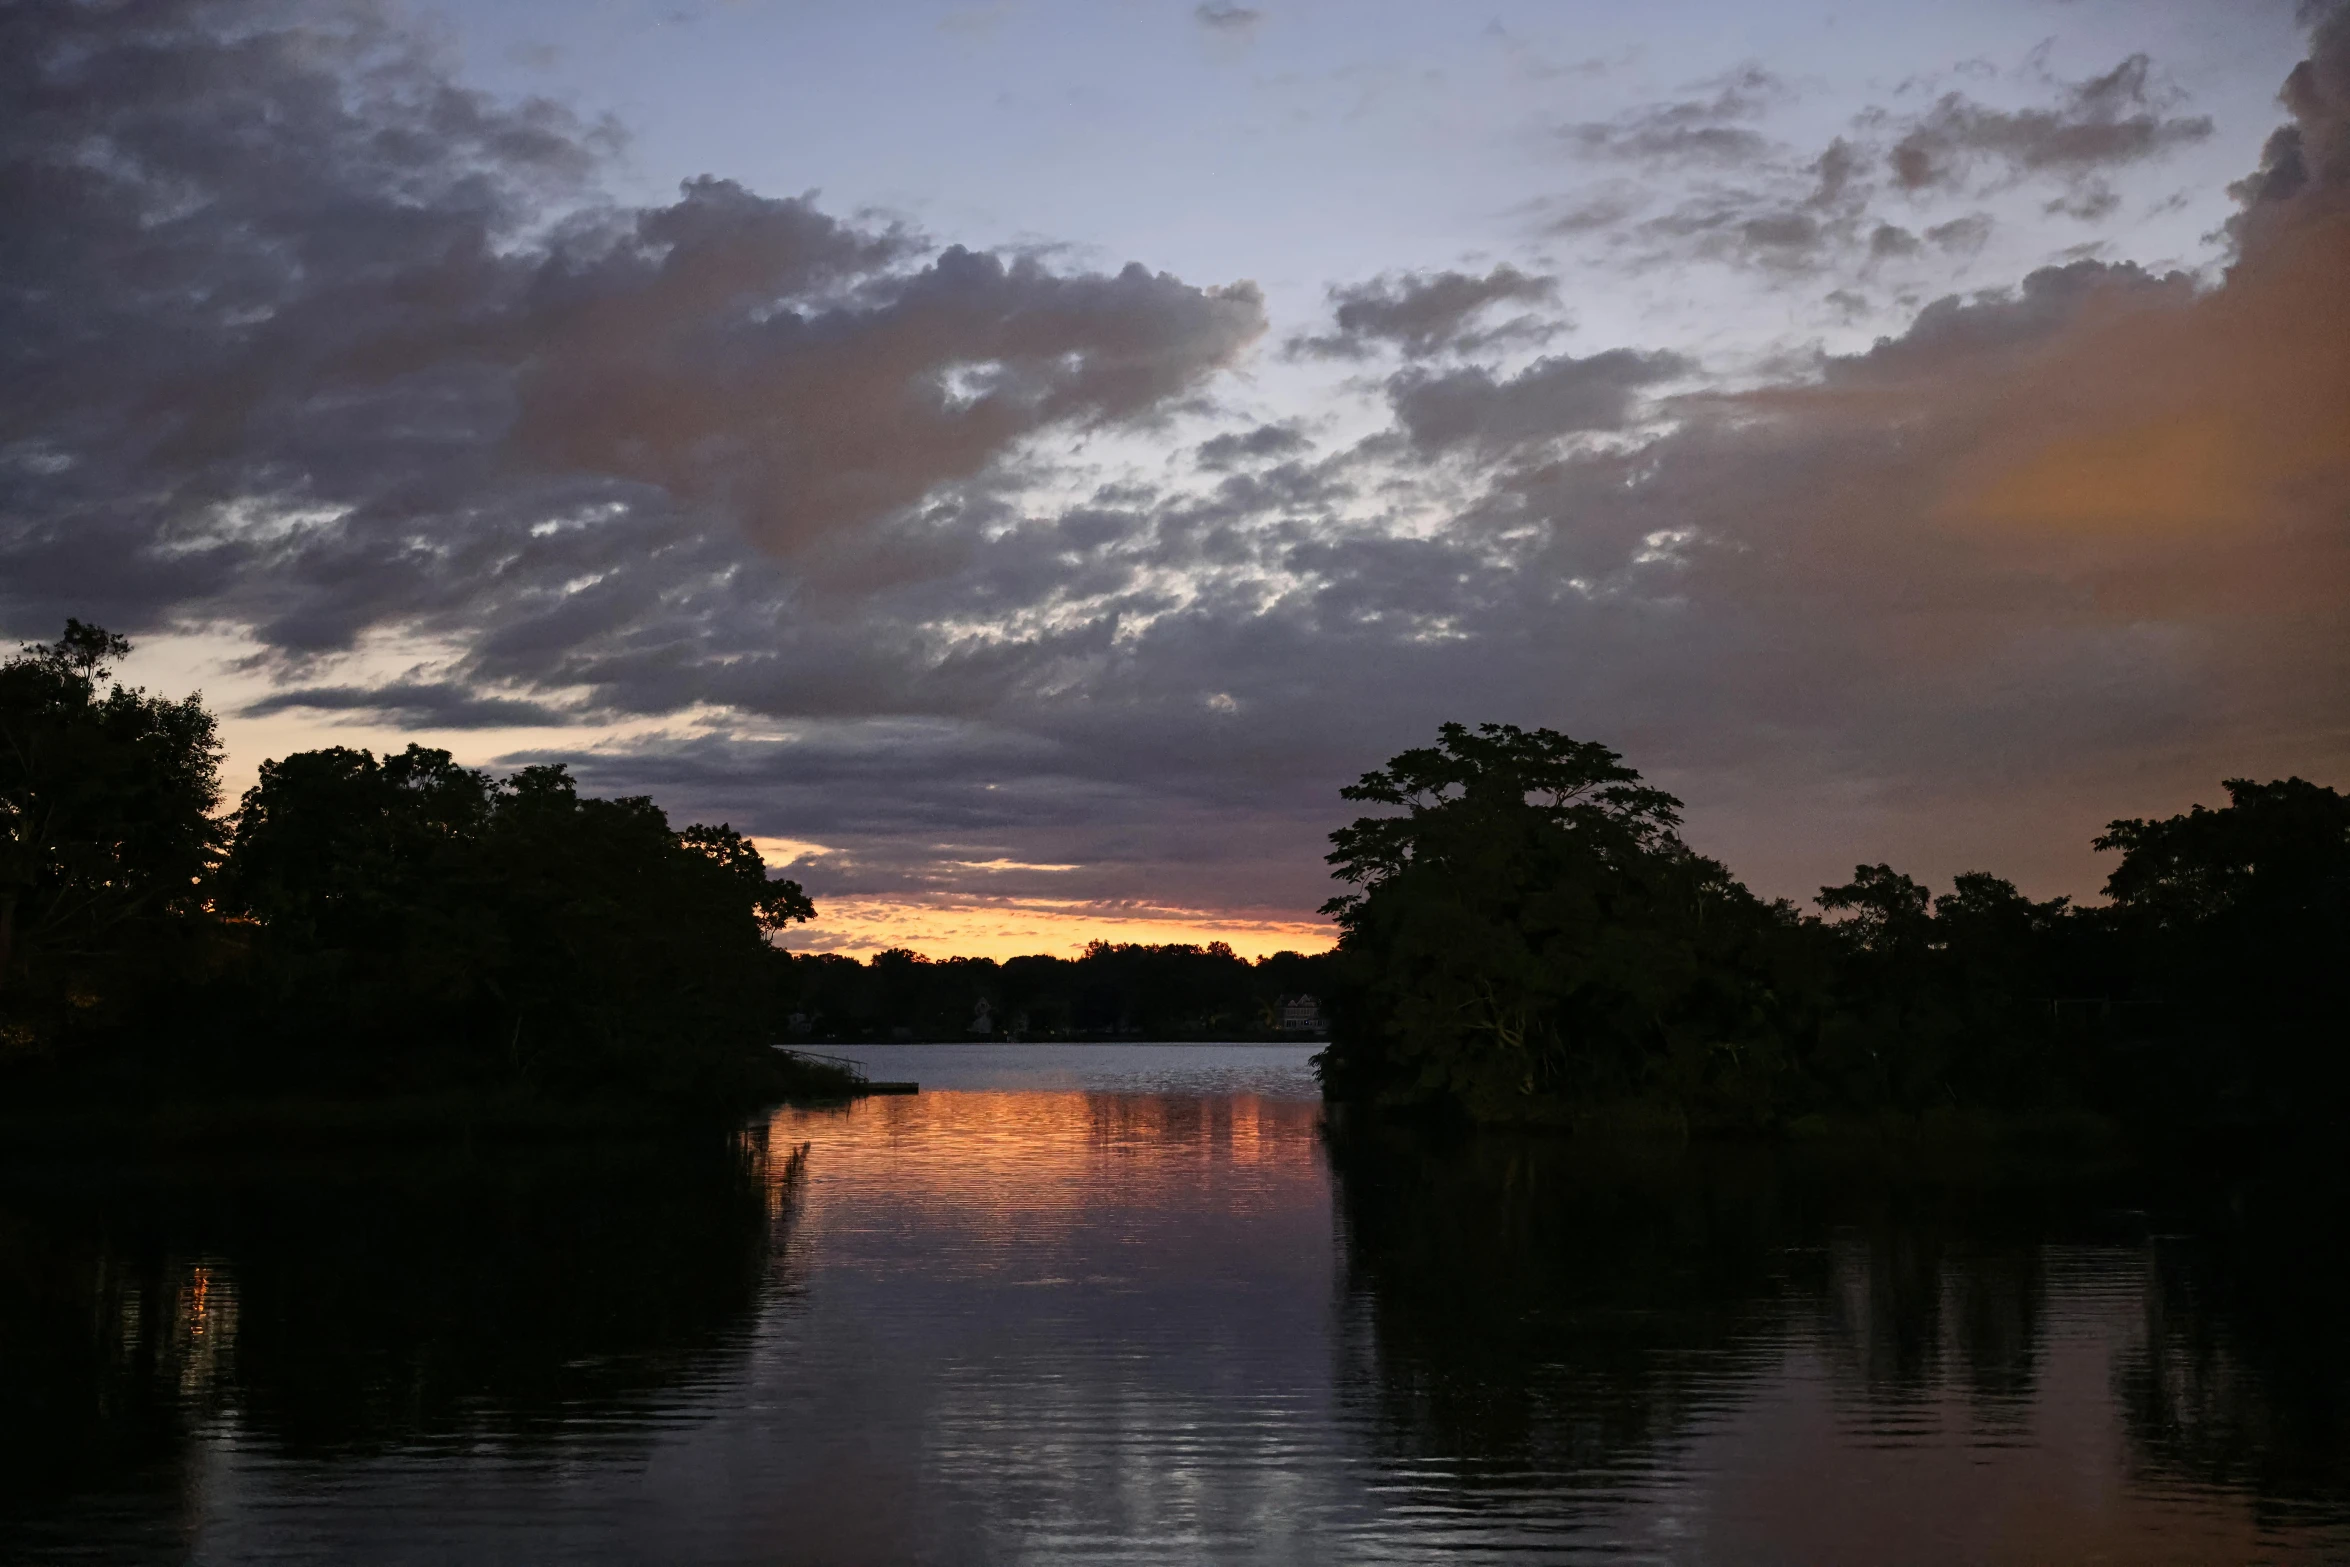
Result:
[1940,1001]
[1533,939]
[2237,921]
[437,927]
[106,795]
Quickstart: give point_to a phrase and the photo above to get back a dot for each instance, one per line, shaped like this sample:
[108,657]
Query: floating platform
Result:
[889,1088]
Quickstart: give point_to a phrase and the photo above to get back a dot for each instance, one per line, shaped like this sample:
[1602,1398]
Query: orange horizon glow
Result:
[1001,928]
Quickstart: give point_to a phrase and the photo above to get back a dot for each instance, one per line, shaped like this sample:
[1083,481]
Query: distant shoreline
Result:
[1315,1040]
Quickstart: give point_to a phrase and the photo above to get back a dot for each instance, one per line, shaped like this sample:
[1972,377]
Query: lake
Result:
[1101,1304]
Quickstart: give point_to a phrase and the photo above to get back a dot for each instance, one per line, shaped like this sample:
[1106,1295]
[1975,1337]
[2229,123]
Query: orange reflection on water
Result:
[204,1329]
[1034,1139]
[1005,1168]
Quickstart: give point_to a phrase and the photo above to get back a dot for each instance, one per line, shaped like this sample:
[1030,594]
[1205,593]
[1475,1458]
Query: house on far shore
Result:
[1300,1015]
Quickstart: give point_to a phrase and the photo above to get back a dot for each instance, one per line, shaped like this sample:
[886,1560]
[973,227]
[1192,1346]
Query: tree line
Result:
[358,926]
[1116,990]
[1530,939]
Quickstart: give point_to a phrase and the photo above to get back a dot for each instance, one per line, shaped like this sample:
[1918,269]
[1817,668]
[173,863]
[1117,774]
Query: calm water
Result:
[1136,1303]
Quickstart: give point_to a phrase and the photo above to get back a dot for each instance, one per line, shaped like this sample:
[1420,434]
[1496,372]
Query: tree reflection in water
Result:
[1533,1326]
[1080,1326]
[2243,1379]
[1525,1308]
[419,1301]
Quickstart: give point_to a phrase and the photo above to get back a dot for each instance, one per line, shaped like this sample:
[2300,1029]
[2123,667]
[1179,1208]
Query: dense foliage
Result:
[106,833]
[1531,940]
[2237,922]
[359,925]
[1533,931]
[413,913]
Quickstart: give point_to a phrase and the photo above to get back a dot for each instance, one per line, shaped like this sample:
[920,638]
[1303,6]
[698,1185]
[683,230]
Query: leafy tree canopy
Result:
[1468,777]
[1532,932]
[1883,909]
[106,827]
[2284,844]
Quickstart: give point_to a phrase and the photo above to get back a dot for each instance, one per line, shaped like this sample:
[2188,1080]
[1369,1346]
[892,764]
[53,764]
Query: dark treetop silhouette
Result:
[359,927]
[106,802]
[1532,941]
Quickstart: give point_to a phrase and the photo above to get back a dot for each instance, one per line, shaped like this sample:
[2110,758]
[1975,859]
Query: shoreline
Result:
[295,1123]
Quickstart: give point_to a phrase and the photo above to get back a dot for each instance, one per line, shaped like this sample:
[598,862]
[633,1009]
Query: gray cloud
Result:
[2306,163]
[1707,129]
[1755,202]
[426,704]
[1221,18]
[1236,448]
[1594,213]
[2108,120]
[2092,201]
[1962,236]
[1548,399]
[1891,239]
[638,364]
[1779,214]
[2052,548]
[1424,313]
[1960,330]
[1660,137]
[298,331]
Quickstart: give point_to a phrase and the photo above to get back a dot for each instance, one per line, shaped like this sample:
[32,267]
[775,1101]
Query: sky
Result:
[1019,460]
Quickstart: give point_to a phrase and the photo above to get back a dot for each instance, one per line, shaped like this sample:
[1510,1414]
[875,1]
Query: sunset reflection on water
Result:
[1102,1316]
[1101,1305]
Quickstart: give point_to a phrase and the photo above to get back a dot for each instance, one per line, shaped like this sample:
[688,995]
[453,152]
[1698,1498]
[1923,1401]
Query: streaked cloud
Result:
[2118,118]
[1420,314]
[1711,128]
[1723,187]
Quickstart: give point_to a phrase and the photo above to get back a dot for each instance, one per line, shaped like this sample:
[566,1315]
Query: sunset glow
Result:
[1011,928]
[1018,463]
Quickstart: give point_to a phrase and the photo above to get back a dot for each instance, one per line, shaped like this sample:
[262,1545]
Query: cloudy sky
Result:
[1020,459]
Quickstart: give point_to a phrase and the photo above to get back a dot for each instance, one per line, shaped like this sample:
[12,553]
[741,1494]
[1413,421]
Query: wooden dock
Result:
[855,1069]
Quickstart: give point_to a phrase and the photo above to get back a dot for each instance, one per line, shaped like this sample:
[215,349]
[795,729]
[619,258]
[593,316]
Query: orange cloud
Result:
[2165,475]
[2221,414]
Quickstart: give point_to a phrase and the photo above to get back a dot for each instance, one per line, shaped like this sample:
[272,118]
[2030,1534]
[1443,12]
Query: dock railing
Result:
[855,1069]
